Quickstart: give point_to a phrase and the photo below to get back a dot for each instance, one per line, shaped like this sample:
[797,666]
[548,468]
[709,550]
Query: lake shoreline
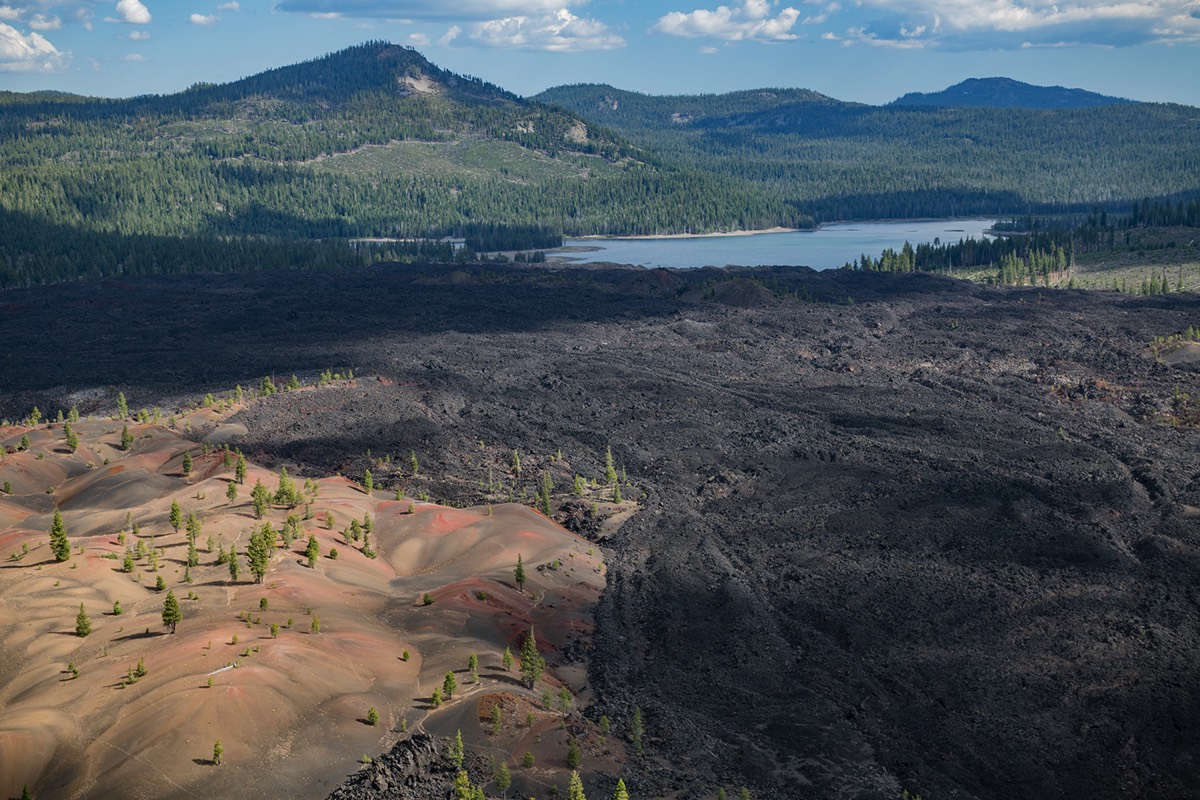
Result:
[829,246]
[777,229]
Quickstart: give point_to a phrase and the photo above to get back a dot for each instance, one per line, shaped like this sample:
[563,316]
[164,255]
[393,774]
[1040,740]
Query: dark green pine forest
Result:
[375,142]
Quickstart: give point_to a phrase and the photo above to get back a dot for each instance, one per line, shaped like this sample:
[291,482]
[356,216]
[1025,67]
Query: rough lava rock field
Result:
[895,532]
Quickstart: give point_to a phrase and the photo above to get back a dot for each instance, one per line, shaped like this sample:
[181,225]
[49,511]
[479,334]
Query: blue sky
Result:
[864,50]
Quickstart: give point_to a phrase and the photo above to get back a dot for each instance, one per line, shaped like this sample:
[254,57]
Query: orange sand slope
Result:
[289,707]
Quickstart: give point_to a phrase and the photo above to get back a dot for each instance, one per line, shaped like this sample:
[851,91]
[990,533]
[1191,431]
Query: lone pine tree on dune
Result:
[83,625]
[532,663]
[171,613]
[59,544]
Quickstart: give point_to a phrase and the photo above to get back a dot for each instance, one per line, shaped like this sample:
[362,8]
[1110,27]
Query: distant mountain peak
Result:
[1008,93]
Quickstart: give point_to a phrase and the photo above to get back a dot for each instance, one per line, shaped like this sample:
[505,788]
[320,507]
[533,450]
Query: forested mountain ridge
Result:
[840,160]
[629,111]
[370,141]
[1008,93]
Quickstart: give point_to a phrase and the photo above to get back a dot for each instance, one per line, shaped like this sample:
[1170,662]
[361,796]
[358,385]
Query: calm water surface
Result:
[828,247]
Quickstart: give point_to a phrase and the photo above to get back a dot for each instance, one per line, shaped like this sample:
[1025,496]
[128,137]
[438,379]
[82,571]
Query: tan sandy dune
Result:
[298,703]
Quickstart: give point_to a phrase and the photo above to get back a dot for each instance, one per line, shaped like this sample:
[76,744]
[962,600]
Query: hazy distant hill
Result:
[1007,93]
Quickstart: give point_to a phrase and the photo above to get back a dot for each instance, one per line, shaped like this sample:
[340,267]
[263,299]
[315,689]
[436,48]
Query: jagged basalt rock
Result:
[412,770]
[939,539]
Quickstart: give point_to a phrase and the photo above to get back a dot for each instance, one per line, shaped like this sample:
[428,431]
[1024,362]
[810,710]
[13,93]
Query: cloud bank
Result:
[950,24]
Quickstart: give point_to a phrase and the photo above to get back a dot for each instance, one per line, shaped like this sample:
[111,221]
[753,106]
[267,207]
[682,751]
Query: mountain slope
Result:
[282,154]
[840,160]
[1008,93]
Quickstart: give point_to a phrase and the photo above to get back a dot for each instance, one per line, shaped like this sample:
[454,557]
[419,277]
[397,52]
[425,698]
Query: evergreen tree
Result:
[122,406]
[25,795]
[506,660]
[312,551]
[187,463]
[60,545]
[286,494]
[239,470]
[316,625]
[532,663]
[171,613]
[455,752]
[258,556]
[176,516]
[72,437]
[83,625]
[437,697]
[372,716]
[218,751]
[463,790]
[233,566]
[473,667]
[637,729]
[231,491]
[127,565]
[503,778]
[575,785]
[610,471]
[159,583]
[519,573]
[259,497]
[621,792]
[193,555]
[449,685]
[368,481]
[413,463]
[516,462]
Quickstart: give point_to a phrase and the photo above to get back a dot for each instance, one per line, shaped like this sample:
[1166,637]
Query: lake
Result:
[827,247]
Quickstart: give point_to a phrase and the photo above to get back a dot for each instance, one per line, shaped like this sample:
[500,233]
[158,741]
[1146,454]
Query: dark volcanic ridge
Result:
[916,534]
[1008,93]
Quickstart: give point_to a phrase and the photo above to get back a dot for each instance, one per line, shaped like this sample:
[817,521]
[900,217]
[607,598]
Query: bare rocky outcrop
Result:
[412,770]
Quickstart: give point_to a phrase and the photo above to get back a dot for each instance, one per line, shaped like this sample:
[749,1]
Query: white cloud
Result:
[41,22]
[708,50]
[204,20]
[9,13]
[418,39]
[139,36]
[234,6]
[135,57]
[30,52]
[134,12]
[1007,24]
[560,31]
[751,21]
[457,11]
[450,35]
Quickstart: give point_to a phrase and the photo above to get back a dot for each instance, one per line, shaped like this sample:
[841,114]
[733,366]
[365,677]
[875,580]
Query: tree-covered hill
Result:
[840,160]
[1007,93]
[338,147]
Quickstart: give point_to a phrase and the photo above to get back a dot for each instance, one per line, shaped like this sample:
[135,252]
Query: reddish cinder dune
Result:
[289,708]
